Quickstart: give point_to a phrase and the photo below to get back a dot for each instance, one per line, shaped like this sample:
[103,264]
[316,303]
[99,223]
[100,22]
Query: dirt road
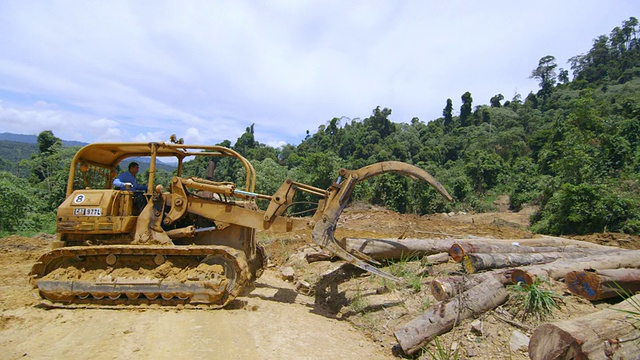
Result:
[273,322]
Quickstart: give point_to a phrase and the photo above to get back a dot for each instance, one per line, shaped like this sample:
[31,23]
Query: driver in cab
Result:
[127,180]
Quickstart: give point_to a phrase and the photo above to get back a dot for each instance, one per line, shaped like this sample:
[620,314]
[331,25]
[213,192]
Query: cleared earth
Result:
[278,319]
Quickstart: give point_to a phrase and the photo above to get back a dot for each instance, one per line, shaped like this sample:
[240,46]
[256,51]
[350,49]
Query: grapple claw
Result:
[337,198]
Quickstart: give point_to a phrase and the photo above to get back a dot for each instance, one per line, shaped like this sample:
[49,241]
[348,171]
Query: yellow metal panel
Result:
[86,226]
[87,198]
[105,226]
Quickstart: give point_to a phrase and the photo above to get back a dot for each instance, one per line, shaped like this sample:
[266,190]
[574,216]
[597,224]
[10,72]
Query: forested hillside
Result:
[572,148]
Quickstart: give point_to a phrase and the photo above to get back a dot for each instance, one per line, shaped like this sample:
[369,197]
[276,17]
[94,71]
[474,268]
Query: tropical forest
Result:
[571,150]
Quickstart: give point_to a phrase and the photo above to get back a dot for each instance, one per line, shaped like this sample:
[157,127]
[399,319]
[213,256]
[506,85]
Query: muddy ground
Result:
[281,318]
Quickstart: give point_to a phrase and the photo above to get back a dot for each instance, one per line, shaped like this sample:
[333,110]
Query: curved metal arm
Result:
[338,195]
[409,170]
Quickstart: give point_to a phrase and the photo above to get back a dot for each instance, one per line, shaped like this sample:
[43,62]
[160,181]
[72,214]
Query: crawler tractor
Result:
[191,242]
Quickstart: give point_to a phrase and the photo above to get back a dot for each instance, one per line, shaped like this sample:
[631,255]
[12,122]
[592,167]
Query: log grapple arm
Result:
[338,195]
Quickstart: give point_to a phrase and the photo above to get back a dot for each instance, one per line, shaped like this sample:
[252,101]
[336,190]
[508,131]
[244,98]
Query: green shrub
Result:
[18,205]
[587,208]
[528,186]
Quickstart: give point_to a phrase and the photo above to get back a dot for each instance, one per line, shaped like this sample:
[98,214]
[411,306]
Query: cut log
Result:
[442,317]
[390,249]
[457,251]
[393,249]
[560,241]
[606,334]
[558,269]
[603,284]
[447,288]
[473,263]
[427,260]
[435,259]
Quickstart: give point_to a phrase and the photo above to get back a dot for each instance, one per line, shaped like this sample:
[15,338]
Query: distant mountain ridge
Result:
[33,139]
[15,147]
[14,151]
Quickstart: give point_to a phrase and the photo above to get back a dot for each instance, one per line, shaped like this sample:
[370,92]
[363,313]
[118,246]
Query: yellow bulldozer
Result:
[192,242]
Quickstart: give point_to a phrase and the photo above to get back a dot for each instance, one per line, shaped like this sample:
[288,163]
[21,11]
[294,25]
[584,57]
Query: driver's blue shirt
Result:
[127,177]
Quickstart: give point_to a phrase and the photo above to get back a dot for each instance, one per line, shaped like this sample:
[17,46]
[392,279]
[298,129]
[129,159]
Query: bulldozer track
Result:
[164,275]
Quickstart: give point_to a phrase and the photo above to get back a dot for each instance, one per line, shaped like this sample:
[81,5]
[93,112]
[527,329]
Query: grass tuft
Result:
[533,300]
[628,296]
[441,351]
[358,303]
[405,268]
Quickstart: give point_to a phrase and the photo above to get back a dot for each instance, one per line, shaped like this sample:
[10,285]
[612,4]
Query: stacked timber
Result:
[491,264]
[482,256]
[521,260]
[558,269]
[390,249]
[589,270]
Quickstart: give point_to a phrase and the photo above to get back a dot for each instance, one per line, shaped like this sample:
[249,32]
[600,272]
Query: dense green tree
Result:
[333,131]
[611,57]
[481,115]
[546,75]
[246,141]
[390,190]
[47,142]
[586,208]
[447,112]
[16,202]
[484,169]
[379,122]
[563,76]
[526,184]
[321,168]
[270,175]
[54,170]
[465,109]
[495,100]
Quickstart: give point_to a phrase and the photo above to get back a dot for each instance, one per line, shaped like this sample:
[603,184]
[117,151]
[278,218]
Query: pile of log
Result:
[393,249]
[589,270]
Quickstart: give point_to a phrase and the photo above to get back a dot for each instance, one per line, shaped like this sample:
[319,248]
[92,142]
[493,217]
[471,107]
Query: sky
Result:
[114,71]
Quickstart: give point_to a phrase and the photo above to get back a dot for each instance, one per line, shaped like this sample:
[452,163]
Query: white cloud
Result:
[150,136]
[29,121]
[119,71]
[110,135]
[192,136]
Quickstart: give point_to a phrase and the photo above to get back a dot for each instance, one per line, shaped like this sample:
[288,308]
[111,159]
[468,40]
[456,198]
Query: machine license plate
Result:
[87,212]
